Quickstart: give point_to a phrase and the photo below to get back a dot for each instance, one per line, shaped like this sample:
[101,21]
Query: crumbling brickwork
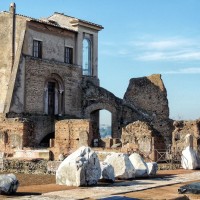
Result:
[70,135]
[15,133]
[183,128]
[150,96]
[140,137]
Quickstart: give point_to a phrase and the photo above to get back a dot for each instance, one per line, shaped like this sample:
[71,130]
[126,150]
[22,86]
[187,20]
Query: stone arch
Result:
[45,139]
[92,112]
[54,95]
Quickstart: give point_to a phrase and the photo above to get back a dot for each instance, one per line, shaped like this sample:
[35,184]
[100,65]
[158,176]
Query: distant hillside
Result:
[105,130]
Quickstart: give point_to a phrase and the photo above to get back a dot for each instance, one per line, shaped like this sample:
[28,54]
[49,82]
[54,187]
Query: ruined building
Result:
[51,96]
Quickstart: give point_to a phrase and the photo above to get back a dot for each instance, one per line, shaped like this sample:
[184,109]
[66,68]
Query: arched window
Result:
[87,57]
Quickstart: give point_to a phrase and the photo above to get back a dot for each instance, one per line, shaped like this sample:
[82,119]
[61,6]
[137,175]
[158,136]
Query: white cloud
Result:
[189,70]
[169,56]
[164,44]
[175,49]
[150,49]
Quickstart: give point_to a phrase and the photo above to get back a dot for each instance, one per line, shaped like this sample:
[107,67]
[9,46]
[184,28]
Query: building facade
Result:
[50,92]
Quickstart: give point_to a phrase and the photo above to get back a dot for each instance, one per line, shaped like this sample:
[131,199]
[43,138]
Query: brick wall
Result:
[71,134]
[15,133]
[38,71]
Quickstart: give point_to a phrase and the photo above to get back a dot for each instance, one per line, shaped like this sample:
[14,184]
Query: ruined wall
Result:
[96,98]
[150,96]
[43,126]
[71,134]
[182,128]
[142,138]
[15,133]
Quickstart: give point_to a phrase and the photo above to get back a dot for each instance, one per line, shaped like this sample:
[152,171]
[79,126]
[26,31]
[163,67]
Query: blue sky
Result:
[140,38]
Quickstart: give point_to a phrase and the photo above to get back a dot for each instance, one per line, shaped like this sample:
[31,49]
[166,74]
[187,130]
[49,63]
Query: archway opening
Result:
[101,121]
[45,142]
[105,124]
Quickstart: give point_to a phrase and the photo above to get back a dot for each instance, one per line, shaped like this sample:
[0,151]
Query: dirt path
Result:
[41,184]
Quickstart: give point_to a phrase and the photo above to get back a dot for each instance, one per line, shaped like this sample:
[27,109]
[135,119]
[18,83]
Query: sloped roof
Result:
[77,20]
[46,22]
[74,21]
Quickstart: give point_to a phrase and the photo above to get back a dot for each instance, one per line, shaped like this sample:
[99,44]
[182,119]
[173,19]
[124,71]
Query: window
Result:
[37,49]
[68,55]
[86,57]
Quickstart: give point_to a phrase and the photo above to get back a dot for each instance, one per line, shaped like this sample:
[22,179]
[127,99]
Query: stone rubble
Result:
[107,172]
[139,165]
[122,165]
[189,158]
[81,168]
[152,168]
[8,184]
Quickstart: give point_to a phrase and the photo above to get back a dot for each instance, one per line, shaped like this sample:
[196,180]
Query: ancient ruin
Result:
[51,96]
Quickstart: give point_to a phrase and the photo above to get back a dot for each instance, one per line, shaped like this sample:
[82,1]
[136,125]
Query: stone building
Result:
[50,92]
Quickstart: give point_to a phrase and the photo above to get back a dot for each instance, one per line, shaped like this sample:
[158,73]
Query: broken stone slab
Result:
[32,154]
[139,165]
[107,172]
[8,184]
[152,168]
[123,167]
[193,188]
[189,158]
[81,168]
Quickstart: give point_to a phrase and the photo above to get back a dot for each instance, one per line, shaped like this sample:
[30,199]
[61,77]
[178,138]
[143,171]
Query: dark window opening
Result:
[37,49]
[68,55]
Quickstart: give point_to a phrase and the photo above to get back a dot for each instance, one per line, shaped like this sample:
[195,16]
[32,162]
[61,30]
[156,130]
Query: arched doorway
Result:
[54,96]
[105,124]
[92,112]
[102,126]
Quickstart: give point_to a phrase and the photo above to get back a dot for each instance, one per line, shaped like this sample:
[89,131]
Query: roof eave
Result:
[88,25]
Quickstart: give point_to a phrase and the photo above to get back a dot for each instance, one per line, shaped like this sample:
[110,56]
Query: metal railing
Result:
[167,156]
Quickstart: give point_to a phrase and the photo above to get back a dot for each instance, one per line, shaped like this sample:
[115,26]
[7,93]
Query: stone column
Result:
[46,100]
[60,102]
[56,109]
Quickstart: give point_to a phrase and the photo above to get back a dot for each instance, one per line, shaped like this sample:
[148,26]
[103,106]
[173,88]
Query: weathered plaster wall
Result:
[53,41]
[83,32]
[6,55]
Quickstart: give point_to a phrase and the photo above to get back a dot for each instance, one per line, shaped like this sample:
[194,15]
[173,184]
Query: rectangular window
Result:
[68,55]
[37,49]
